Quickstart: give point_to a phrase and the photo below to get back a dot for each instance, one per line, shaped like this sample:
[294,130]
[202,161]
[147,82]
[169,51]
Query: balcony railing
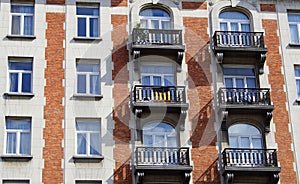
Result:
[156,37]
[158,156]
[244,157]
[244,96]
[158,94]
[224,39]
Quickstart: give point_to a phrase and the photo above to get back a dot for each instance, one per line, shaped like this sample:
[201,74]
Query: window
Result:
[87,21]
[88,137]
[159,134]
[294,24]
[15,182]
[22,16]
[297,76]
[239,77]
[154,18]
[157,75]
[244,136]
[88,77]
[20,75]
[87,182]
[18,136]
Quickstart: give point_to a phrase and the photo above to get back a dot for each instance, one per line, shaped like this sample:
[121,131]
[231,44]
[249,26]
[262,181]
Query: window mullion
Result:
[18,142]
[20,76]
[88,143]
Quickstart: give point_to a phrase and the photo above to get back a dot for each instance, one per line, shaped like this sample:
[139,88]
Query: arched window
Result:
[234,21]
[159,134]
[244,136]
[155,18]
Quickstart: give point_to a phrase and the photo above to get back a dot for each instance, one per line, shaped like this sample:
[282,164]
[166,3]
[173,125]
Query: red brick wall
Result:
[54,92]
[278,97]
[268,7]
[55,1]
[200,95]
[115,3]
[121,111]
[194,5]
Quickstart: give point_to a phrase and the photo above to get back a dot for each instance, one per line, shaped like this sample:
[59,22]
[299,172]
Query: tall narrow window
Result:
[297,76]
[87,21]
[88,77]
[18,136]
[88,137]
[294,24]
[22,16]
[20,75]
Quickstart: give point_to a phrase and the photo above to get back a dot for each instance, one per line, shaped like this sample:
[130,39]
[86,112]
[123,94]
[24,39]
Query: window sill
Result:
[26,37]
[87,159]
[87,97]
[16,158]
[18,95]
[87,39]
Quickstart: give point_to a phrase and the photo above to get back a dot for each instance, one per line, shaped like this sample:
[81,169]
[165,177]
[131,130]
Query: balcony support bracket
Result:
[229,178]
[220,57]
[262,62]
[140,177]
[187,177]
[269,116]
[224,119]
[275,178]
[138,113]
[182,120]
[136,54]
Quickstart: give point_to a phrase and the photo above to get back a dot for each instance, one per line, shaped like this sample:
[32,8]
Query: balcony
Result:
[246,47]
[148,41]
[170,97]
[162,162]
[244,163]
[246,101]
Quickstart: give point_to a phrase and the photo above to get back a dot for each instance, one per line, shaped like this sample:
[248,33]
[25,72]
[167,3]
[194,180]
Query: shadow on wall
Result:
[211,175]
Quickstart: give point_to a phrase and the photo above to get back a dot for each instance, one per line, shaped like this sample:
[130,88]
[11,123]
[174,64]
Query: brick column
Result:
[54,92]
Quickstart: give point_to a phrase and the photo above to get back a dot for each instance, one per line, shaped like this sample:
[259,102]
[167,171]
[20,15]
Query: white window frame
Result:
[148,19]
[22,22]
[18,136]
[88,17]
[88,76]
[20,74]
[298,28]
[162,75]
[88,135]
[238,21]
[235,77]
[297,78]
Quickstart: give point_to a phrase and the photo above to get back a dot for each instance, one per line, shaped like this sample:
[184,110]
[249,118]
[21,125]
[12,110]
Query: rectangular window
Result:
[294,25]
[87,21]
[88,137]
[20,75]
[157,75]
[15,182]
[297,76]
[18,136]
[88,77]
[22,16]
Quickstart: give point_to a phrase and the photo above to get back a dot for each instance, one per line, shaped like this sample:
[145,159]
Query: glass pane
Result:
[92,11]
[297,72]
[154,12]
[28,25]
[169,81]
[22,9]
[147,140]
[13,81]
[298,87]
[146,80]
[81,83]
[239,71]
[293,17]
[157,80]
[240,83]
[17,124]
[144,23]
[233,142]
[88,126]
[159,141]
[11,143]
[233,15]
[245,142]
[94,27]
[234,27]
[294,33]
[95,144]
[81,143]
[223,26]
[243,129]
[245,27]
[81,27]
[88,67]
[166,25]
[172,142]
[27,66]
[16,25]
[26,83]
[257,143]
[25,143]
[251,83]
[154,24]
[94,84]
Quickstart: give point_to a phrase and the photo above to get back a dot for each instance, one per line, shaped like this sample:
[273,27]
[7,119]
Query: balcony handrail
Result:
[157,156]
[144,36]
[239,39]
[245,96]
[248,157]
[151,93]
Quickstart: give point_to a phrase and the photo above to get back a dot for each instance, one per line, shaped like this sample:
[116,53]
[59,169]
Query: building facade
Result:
[149,91]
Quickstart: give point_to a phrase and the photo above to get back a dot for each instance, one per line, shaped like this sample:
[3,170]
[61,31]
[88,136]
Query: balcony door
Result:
[155,18]
[235,26]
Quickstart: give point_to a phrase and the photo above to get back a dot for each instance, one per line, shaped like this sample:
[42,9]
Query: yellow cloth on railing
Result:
[162,96]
